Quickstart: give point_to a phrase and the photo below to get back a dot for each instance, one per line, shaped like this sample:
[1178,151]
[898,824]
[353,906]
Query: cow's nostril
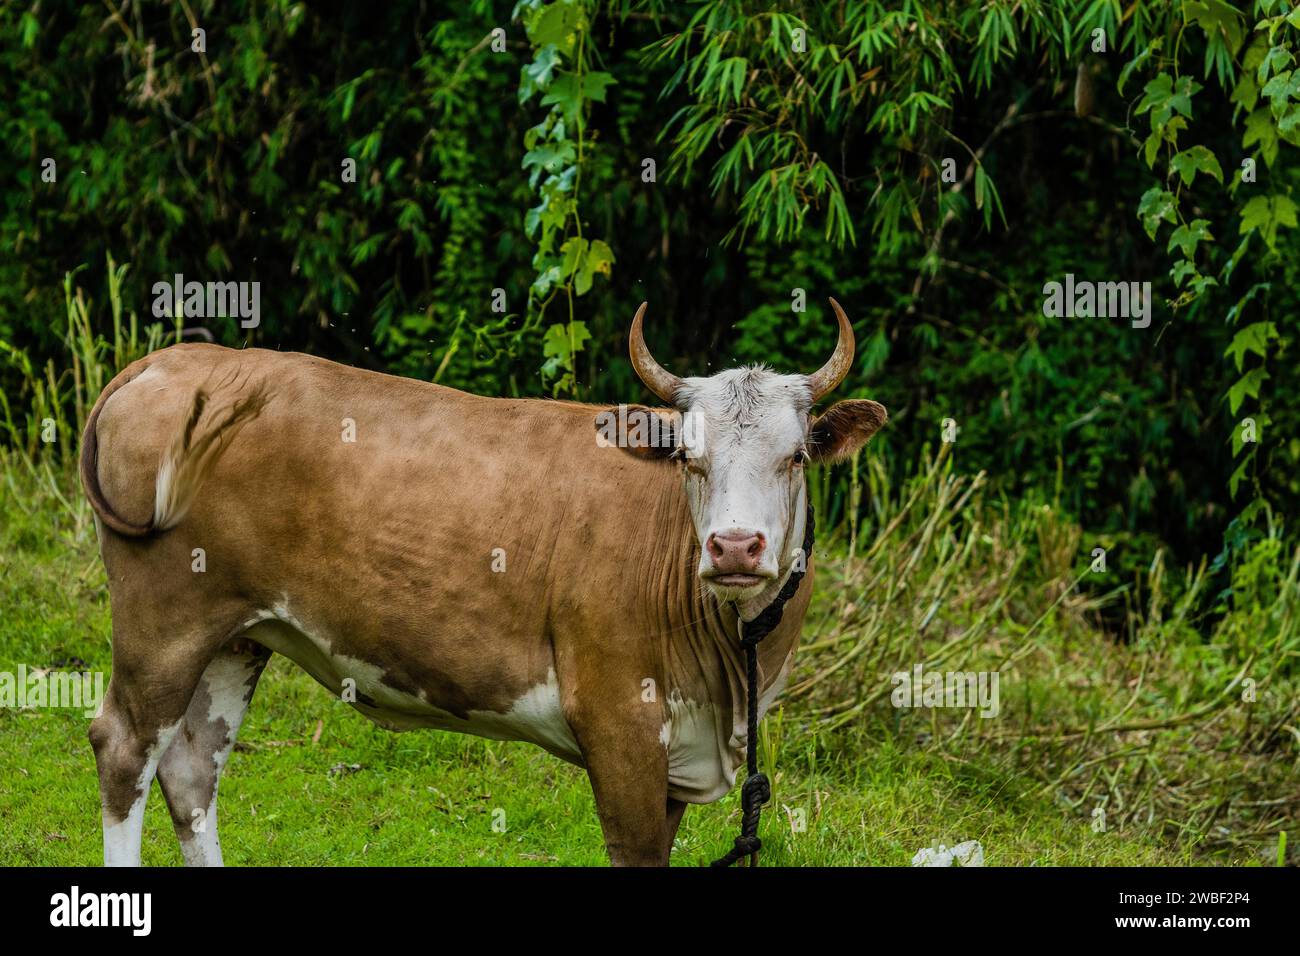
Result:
[715,547]
[756,546]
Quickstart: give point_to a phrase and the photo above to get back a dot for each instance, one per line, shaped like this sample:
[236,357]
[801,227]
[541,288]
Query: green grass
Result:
[426,798]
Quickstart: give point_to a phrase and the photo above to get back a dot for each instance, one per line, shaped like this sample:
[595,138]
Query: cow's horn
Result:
[657,378]
[823,381]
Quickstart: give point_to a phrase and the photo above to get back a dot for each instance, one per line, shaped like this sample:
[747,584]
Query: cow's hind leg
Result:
[189,771]
[160,653]
[128,743]
[140,715]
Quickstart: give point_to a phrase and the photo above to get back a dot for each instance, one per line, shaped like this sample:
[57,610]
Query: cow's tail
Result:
[186,461]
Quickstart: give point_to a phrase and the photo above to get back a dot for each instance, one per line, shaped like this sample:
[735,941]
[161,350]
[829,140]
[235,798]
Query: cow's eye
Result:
[799,459]
[692,464]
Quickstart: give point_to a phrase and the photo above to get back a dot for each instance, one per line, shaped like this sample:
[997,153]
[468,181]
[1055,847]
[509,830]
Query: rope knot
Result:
[756,792]
[745,845]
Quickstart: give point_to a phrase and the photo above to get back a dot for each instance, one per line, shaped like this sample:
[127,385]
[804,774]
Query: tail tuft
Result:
[192,453]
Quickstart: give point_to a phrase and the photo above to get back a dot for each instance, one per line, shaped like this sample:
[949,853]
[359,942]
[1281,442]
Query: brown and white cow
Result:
[439,559]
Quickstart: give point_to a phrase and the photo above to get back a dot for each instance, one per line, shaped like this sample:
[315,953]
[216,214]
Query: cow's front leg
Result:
[676,809]
[628,767]
[631,788]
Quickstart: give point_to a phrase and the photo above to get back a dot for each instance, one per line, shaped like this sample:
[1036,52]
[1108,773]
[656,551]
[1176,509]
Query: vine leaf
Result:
[569,91]
[1262,421]
[538,74]
[1248,385]
[1181,270]
[1188,236]
[560,345]
[1196,159]
[1260,129]
[548,158]
[1266,214]
[1156,206]
[1253,338]
[582,260]
[558,25]
[1164,97]
[1281,90]
[1217,18]
[547,277]
[1239,474]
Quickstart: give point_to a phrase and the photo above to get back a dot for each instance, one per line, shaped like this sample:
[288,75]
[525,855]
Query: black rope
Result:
[757,791]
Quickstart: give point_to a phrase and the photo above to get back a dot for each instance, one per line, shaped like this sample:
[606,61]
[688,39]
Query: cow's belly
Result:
[535,717]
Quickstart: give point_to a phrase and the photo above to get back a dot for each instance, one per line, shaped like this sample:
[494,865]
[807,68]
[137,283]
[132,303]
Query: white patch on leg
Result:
[122,838]
[225,682]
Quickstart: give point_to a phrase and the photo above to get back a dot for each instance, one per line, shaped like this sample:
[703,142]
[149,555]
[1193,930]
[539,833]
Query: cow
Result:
[494,566]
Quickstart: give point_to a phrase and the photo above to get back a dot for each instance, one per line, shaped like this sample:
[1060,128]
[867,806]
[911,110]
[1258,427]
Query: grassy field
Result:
[314,783]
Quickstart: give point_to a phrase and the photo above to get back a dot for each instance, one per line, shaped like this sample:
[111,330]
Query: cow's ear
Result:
[844,428]
[640,431]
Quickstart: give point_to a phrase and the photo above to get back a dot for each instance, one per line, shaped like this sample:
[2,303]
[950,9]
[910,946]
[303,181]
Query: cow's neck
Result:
[702,634]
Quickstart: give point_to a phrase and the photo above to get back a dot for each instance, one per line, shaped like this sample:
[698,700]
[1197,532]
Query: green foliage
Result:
[229,166]
[1248,64]
[565,261]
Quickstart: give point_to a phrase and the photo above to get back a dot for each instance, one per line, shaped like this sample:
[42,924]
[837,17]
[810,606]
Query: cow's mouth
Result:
[736,580]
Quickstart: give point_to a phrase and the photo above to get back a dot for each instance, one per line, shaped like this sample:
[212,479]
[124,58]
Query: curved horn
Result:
[823,381]
[657,378]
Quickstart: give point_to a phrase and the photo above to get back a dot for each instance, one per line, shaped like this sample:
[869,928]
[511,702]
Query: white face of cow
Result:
[743,447]
[742,439]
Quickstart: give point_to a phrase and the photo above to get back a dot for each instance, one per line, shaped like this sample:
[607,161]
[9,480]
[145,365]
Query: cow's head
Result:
[741,439]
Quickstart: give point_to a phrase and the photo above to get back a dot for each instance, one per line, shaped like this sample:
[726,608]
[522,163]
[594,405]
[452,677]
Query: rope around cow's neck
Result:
[757,791]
